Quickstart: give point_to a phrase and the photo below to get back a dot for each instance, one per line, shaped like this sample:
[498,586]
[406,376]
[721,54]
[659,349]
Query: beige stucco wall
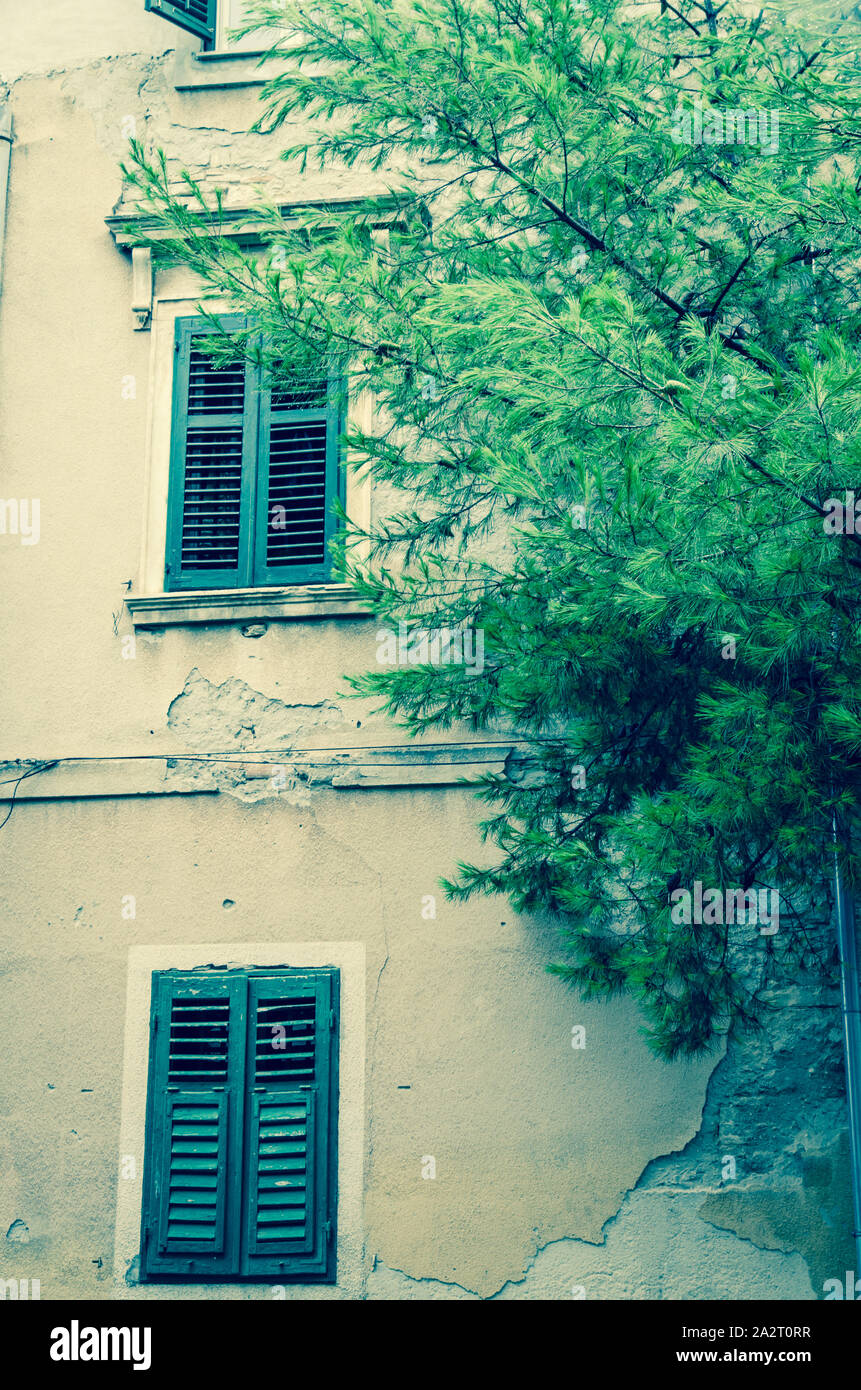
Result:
[463,1043]
[533,1140]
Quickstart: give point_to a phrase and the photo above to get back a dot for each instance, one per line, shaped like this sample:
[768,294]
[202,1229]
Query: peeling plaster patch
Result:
[792,1191]
[785,1216]
[806,1217]
[655,1248]
[235,717]
[243,717]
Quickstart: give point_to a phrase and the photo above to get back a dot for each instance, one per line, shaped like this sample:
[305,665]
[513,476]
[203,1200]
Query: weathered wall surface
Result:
[561,1172]
[533,1140]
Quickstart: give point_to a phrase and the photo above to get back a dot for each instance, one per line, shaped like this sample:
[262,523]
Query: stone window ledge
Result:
[296,602]
[222,68]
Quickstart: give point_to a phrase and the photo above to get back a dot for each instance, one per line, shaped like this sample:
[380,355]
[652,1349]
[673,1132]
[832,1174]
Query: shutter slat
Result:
[269,1209]
[195,1213]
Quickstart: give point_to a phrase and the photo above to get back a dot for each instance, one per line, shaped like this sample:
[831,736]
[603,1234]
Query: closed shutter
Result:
[298,481]
[195,1110]
[197,16]
[240,1174]
[213,460]
[288,1202]
[254,472]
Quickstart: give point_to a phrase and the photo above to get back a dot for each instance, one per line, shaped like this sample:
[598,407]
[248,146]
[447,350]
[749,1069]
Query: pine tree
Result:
[608,315]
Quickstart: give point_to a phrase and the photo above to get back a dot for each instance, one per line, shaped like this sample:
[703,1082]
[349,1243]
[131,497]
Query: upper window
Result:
[240,1167]
[254,471]
[211,20]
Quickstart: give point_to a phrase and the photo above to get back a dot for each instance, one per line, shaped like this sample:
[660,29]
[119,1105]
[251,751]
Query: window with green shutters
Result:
[197,16]
[242,1102]
[254,472]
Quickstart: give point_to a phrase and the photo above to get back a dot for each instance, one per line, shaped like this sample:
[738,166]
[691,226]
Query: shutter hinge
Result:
[332,1020]
[327,1227]
[155,1024]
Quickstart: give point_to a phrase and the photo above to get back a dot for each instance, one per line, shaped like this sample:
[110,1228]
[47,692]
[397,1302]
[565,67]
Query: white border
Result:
[349,958]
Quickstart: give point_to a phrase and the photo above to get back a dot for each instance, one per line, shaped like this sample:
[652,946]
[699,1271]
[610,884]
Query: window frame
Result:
[231,1264]
[252,570]
[255,43]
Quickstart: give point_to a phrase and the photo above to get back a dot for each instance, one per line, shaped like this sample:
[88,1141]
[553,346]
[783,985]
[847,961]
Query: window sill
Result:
[296,602]
[222,67]
[218,55]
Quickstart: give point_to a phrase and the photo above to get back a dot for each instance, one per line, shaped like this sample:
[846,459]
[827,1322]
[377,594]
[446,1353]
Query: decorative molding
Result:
[298,602]
[79,780]
[142,285]
[243,773]
[244,225]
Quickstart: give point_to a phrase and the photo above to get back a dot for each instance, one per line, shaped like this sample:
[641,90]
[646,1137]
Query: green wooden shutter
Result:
[240,1173]
[213,462]
[254,472]
[197,16]
[298,480]
[195,1105]
[291,1188]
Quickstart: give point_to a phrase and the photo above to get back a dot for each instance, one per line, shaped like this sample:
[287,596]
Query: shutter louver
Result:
[214,446]
[213,464]
[195,1126]
[297,494]
[197,16]
[290,1077]
[193,1190]
[282,1178]
[299,453]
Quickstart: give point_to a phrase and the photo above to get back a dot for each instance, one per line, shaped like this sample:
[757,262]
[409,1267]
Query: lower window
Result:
[241,1141]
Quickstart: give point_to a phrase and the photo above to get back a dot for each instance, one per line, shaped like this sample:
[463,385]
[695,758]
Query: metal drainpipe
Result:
[847,943]
[5,156]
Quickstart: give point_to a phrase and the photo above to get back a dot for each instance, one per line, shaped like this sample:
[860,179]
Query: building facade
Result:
[249,1050]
